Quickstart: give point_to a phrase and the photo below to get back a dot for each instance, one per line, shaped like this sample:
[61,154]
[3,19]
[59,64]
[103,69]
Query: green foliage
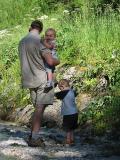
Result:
[82,38]
[103,113]
[5,157]
[13,12]
[11,93]
[10,55]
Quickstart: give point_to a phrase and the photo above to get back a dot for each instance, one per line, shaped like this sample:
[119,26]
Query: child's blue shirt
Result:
[68,106]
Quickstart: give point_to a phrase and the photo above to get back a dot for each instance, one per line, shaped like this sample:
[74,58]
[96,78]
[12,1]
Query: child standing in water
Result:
[68,109]
[49,42]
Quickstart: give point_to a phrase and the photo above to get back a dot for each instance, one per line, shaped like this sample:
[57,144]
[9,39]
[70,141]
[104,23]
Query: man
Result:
[32,55]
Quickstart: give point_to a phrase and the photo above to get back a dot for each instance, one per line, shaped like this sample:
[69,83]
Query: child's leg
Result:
[49,80]
[49,84]
[49,73]
[70,137]
[50,76]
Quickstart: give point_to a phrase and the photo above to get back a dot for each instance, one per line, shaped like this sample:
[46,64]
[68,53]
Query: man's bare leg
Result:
[37,118]
[34,139]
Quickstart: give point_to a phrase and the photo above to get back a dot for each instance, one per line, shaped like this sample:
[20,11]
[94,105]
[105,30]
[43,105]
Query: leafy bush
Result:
[103,113]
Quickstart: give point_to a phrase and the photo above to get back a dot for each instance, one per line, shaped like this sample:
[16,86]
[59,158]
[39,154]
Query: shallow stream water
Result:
[14,147]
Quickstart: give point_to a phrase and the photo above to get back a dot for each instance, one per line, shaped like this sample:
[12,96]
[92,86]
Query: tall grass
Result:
[93,37]
[14,12]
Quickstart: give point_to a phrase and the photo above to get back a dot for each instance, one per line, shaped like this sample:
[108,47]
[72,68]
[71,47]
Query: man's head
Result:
[63,84]
[38,25]
[50,34]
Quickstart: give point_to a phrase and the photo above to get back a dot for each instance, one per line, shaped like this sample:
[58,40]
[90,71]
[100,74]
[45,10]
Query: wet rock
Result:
[13,142]
[110,149]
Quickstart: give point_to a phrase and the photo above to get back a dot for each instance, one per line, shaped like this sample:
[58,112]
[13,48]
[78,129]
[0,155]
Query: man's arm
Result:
[50,60]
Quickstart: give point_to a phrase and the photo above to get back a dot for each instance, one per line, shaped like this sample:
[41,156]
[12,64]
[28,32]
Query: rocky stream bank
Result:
[14,147]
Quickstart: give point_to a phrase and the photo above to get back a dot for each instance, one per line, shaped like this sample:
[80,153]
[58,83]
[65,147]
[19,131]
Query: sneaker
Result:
[36,142]
[48,87]
[55,83]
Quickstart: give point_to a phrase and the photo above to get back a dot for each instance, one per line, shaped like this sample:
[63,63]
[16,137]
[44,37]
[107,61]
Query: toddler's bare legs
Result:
[70,137]
[49,84]
[50,76]
[51,81]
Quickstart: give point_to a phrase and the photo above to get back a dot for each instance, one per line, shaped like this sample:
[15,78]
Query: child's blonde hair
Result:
[64,82]
[51,29]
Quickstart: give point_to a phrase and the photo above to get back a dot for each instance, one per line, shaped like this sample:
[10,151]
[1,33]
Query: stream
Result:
[14,147]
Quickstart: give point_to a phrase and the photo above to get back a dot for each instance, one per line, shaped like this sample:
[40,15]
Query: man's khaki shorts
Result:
[39,97]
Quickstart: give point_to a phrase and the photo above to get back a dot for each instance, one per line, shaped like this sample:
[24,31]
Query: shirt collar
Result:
[35,33]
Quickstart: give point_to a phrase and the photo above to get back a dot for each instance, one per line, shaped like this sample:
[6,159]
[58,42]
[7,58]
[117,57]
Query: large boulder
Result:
[51,117]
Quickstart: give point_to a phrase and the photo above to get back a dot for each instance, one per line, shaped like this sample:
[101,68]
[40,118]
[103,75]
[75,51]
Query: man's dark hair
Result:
[37,25]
